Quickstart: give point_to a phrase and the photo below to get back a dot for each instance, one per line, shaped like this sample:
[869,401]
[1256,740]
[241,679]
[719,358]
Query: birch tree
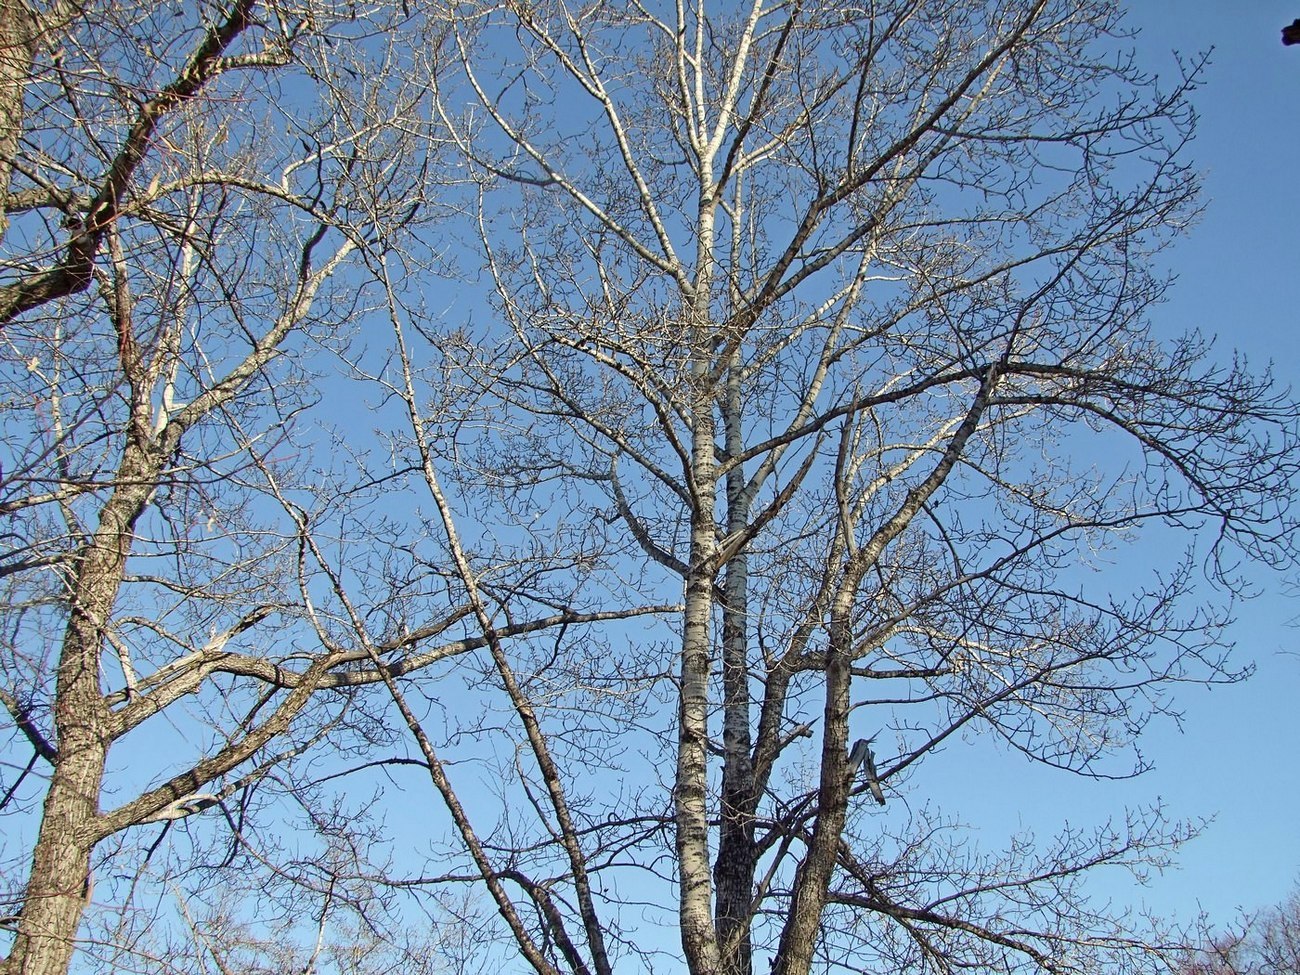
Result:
[837,320]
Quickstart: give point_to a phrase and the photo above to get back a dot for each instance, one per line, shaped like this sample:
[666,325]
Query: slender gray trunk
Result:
[699,939]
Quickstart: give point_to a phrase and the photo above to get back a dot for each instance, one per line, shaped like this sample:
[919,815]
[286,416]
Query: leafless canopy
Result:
[580,424]
[837,318]
[213,567]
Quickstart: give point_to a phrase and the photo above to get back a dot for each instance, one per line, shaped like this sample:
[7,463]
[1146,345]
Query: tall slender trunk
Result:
[737,857]
[699,935]
[699,938]
[812,880]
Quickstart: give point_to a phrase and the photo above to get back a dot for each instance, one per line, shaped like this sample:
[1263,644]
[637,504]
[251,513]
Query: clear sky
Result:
[1238,271]
[1233,756]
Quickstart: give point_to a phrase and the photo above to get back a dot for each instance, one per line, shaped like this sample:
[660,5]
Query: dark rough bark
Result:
[737,857]
[812,880]
[59,879]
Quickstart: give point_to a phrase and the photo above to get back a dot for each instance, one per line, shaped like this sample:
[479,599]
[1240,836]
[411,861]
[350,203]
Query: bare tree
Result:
[816,392]
[1266,943]
[174,234]
[836,321]
[202,575]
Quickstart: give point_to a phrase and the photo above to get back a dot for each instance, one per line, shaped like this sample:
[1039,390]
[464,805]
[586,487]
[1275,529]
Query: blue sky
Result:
[1232,758]
[1237,271]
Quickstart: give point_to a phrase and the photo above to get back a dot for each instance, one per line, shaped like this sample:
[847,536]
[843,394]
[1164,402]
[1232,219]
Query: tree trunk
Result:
[812,880]
[691,812]
[699,939]
[60,874]
[60,877]
[736,863]
[17,52]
